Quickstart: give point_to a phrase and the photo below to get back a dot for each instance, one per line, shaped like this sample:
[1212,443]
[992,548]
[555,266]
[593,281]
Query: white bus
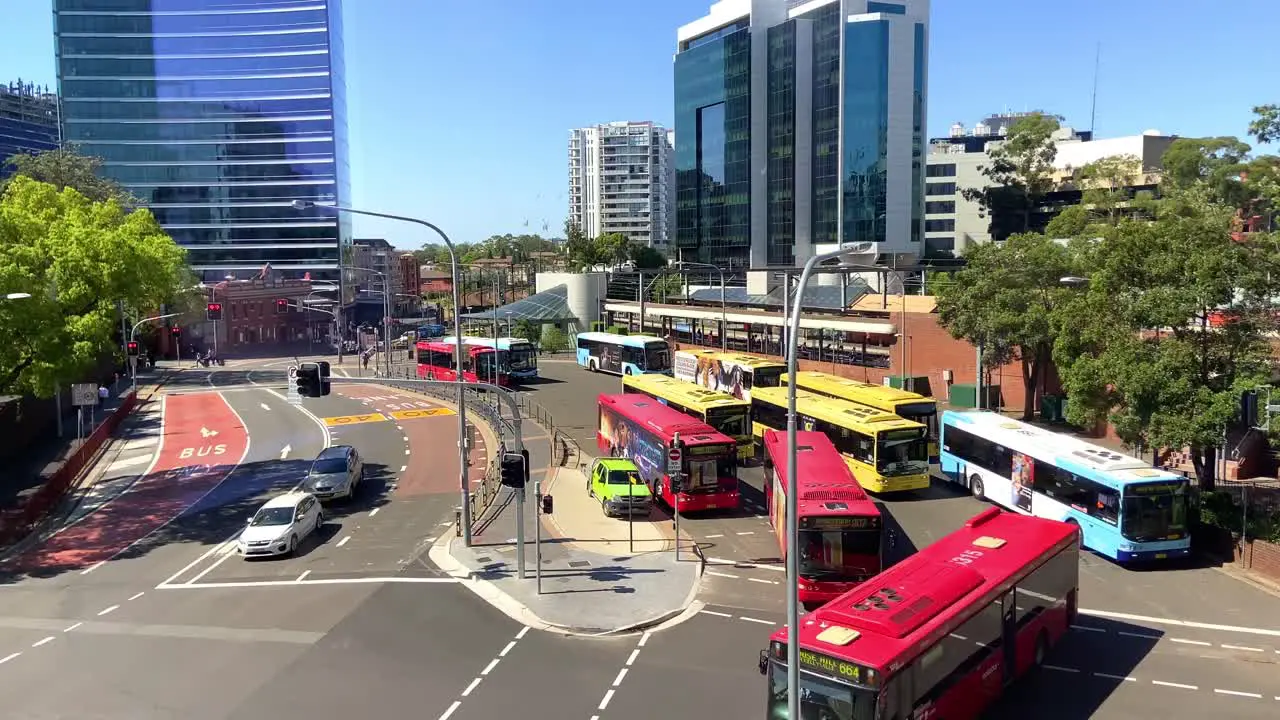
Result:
[728,372]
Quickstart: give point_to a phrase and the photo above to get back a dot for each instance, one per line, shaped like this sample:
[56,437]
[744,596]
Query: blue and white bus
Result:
[1126,509]
[517,357]
[624,354]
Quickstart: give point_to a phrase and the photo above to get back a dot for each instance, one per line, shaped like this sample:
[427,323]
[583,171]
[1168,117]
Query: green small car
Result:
[617,483]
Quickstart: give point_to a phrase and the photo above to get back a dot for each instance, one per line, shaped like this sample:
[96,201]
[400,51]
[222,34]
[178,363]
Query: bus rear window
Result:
[767,377]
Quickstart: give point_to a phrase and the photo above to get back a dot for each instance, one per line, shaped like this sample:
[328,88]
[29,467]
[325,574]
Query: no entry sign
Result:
[673,460]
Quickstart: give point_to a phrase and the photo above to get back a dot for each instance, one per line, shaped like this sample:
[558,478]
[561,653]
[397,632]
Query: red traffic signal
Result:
[282,306]
[175,331]
[132,348]
[214,311]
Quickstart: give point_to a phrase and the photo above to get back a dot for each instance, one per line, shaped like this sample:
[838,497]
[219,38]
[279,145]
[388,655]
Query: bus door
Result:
[1009,624]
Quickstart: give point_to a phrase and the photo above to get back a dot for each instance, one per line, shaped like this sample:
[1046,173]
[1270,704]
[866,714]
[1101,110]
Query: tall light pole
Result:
[133,366]
[724,313]
[465,490]
[793,505]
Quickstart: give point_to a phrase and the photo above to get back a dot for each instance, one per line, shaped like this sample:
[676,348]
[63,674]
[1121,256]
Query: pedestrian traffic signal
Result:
[214,311]
[515,469]
[132,348]
[282,306]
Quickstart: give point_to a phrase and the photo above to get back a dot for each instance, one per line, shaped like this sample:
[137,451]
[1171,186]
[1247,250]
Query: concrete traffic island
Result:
[592,582]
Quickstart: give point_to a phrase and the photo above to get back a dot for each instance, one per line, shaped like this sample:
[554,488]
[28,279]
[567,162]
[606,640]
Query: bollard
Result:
[457,522]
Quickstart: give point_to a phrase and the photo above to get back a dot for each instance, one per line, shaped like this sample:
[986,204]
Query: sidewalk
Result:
[584,554]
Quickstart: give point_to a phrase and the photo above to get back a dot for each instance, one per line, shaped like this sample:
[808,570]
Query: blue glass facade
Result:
[918,159]
[865,131]
[217,117]
[28,121]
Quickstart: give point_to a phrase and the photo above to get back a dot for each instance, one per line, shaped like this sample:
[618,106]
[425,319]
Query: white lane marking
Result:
[607,697]
[507,649]
[762,566]
[140,443]
[632,657]
[9,657]
[401,427]
[489,668]
[1241,647]
[1059,668]
[264,406]
[1144,636]
[1180,623]
[714,612]
[113,608]
[137,595]
[46,639]
[1174,685]
[294,583]
[324,429]
[724,575]
[72,627]
[717,535]
[755,620]
[747,532]
[129,462]
[303,576]
[643,639]
[616,681]
[1190,642]
[198,560]
[406,451]
[1086,628]
[1125,678]
[374,511]
[344,541]
[471,687]
[445,715]
[209,569]
[1237,693]
[758,580]
[523,631]
[93,567]
[403,468]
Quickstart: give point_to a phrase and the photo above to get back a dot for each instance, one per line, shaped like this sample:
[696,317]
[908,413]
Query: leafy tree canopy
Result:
[1020,173]
[66,168]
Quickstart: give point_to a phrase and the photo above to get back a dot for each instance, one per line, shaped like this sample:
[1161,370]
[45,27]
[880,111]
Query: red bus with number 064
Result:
[840,528]
[942,633]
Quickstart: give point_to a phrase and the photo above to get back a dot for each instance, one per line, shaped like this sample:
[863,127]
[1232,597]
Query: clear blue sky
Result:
[460,111]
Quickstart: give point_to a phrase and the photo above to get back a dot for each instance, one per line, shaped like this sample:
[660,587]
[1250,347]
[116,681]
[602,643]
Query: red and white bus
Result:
[517,357]
[639,428]
[437,361]
[941,634]
[840,528]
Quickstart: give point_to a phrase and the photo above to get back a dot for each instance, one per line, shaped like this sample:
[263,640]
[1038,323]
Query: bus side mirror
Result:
[764,662]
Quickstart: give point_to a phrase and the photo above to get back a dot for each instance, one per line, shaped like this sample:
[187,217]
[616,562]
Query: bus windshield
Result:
[705,474]
[902,452]
[657,357]
[838,553]
[522,357]
[767,377]
[731,422]
[1156,512]
[820,698]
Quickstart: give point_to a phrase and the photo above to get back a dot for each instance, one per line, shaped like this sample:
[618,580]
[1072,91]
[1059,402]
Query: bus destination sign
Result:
[698,450]
[833,667]
[1153,488]
[840,523]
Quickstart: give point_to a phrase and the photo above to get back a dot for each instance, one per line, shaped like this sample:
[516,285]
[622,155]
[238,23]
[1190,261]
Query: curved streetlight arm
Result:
[133,330]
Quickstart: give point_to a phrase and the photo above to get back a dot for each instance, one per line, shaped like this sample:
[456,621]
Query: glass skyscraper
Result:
[216,115]
[800,129]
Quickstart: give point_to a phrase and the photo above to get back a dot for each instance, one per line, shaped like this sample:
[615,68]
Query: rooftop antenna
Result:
[1093,104]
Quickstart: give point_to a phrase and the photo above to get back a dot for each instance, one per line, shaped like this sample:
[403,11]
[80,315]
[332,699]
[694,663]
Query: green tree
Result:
[554,340]
[1020,173]
[528,330]
[1265,127]
[581,252]
[77,259]
[613,248]
[1004,299]
[67,168]
[647,258]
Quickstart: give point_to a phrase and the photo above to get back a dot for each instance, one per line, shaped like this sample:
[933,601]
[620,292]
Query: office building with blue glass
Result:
[28,121]
[800,128]
[217,116]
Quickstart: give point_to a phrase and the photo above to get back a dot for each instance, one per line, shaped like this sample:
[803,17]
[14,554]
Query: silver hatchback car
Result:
[335,474]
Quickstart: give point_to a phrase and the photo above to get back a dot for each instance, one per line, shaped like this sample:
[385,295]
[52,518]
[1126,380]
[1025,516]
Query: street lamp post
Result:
[457,330]
[133,365]
[793,557]
[724,313]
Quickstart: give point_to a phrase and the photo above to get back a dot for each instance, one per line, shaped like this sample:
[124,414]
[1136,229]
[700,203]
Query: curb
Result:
[509,606]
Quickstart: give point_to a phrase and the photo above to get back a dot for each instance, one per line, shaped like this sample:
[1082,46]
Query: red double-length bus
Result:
[639,428]
[840,528]
[941,634]
[437,361]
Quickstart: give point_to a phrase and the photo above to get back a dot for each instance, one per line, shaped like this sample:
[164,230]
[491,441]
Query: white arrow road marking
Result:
[206,432]
[265,406]
[284,452]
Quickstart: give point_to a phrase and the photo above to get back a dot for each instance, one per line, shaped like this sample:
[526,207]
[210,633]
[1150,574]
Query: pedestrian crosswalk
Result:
[135,444]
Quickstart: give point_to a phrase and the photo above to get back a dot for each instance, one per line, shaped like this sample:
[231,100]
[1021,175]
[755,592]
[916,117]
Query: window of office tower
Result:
[866,118]
[216,120]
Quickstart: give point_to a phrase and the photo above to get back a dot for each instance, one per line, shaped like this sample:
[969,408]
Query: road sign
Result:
[84,394]
[673,460]
[293,396]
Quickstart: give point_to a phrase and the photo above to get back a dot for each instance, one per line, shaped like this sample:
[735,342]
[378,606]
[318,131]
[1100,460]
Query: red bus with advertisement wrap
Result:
[941,634]
[643,430]
[436,361]
[840,529]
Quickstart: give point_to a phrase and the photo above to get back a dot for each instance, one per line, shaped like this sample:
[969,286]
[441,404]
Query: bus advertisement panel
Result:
[517,357]
[642,430]
[733,373]
[721,411]
[840,527]
[885,452]
[943,633]
[1126,509]
[623,354]
[903,403]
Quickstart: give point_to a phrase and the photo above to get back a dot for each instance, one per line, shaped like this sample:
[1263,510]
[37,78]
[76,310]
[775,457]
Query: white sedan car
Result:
[280,524]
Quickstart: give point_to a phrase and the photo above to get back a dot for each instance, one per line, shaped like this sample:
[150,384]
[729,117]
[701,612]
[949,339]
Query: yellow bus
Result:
[903,403]
[730,372]
[885,452]
[721,411]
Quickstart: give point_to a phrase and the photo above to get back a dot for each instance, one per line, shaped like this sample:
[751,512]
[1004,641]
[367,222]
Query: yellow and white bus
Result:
[722,411]
[885,452]
[729,372]
[903,403]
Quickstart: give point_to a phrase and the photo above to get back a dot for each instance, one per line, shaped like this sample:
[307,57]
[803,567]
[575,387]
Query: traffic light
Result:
[1249,408]
[546,505]
[282,306]
[515,469]
[176,332]
[324,377]
[132,348]
[214,311]
[309,383]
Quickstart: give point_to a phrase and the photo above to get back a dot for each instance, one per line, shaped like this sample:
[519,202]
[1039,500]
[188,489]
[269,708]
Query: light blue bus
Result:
[1125,509]
[517,357]
[624,354]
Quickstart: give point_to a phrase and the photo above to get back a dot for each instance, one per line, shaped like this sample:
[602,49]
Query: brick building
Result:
[250,318]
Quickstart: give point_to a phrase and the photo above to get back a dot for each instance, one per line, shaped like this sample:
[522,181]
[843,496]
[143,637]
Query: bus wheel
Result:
[626,371]
[593,367]
[1042,649]
[975,487]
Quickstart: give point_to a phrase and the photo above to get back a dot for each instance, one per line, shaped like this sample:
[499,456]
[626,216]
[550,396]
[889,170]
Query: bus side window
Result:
[1107,507]
[1001,461]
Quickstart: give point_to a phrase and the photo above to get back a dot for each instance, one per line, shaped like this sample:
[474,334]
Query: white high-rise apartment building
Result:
[621,179]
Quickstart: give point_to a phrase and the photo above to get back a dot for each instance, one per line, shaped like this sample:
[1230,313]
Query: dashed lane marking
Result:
[453,707]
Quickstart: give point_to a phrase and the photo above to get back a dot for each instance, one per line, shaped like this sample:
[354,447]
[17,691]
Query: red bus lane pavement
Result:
[203,440]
